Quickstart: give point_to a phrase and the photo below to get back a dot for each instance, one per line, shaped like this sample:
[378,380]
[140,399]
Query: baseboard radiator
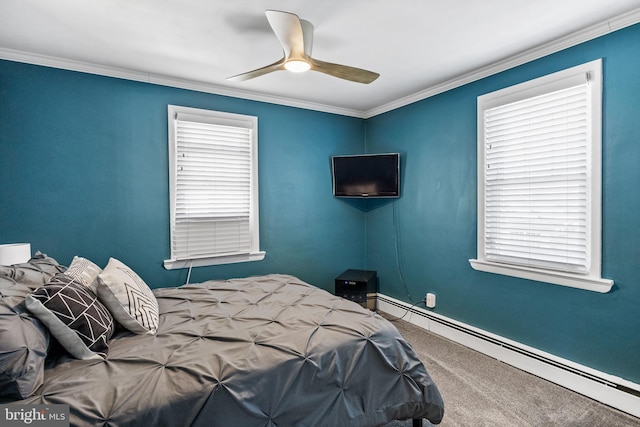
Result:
[608,389]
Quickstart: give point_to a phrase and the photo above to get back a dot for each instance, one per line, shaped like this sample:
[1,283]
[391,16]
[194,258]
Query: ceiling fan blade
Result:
[276,66]
[307,36]
[345,72]
[288,30]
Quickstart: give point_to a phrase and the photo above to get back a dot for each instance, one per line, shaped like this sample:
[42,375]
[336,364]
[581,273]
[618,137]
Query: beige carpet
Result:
[481,391]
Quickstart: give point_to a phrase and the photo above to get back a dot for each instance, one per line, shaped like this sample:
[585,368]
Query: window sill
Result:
[588,283]
[172,264]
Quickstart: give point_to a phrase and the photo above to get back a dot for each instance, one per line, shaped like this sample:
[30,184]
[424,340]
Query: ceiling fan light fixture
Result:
[296,38]
[297,65]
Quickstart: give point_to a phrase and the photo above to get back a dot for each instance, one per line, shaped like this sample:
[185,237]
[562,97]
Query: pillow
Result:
[74,316]
[85,272]
[34,273]
[23,343]
[128,298]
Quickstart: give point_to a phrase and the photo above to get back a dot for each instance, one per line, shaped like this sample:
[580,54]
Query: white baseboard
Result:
[608,389]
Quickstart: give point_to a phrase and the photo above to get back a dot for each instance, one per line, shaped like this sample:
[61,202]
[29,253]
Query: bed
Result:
[259,351]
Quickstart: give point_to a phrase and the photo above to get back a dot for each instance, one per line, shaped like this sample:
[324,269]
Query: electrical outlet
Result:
[430,300]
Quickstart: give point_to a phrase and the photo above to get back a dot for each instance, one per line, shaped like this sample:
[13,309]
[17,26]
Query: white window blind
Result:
[213,187]
[536,181]
[213,190]
[540,179]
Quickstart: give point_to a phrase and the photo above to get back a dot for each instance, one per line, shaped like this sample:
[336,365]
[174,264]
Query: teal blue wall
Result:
[436,218]
[84,171]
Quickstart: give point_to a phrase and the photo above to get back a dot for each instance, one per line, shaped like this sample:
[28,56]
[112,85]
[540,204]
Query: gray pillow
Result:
[23,343]
[74,316]
[34,273]
[128,298]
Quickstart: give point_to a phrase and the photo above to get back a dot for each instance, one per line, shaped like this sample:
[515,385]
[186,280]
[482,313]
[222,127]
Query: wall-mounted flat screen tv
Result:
[366,175]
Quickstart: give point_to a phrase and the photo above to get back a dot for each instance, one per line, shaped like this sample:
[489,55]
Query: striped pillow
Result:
[85,272]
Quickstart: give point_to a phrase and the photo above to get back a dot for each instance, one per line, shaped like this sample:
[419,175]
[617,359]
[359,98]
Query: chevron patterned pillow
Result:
[128,298]
[73,315]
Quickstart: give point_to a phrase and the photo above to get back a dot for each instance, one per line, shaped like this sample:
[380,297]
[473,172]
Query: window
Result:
[539,179]
[213,188]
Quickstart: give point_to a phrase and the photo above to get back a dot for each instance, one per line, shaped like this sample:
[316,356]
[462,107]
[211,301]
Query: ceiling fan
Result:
[296,37]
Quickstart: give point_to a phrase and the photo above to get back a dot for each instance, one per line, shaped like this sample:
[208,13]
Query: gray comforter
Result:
[260,351]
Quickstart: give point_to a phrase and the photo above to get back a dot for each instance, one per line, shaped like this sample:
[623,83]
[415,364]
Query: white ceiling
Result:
[417,46]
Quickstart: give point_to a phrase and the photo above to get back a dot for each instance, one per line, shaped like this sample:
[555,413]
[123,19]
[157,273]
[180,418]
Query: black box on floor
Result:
[360,286]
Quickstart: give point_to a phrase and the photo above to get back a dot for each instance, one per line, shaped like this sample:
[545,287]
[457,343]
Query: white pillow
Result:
[85,272]
[128,298]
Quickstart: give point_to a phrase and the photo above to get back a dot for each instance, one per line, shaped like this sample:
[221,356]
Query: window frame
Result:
[222,118]
[590,280]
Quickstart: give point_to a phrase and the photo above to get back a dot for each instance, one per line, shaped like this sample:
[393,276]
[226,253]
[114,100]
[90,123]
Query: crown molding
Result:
[589,33]
[584,35]
[159,79]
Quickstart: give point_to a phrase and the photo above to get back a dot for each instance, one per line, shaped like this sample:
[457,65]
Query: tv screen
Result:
[366,175]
